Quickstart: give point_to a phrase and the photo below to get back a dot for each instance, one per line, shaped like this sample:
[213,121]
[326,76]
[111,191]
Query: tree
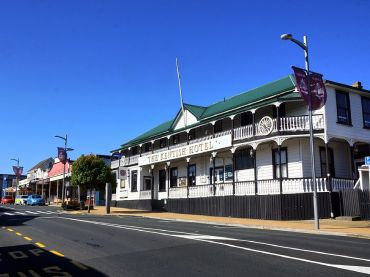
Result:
[90,172]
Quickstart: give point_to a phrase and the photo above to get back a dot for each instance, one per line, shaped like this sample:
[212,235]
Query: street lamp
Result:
[64,162]
[16,175]
[304,46]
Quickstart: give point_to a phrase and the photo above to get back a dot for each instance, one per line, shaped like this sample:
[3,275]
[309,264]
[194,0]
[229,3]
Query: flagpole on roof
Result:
[181,99]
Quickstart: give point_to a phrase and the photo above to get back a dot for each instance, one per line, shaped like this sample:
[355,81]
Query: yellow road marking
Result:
[27,238]
[56,253]
[39,244]
[18,234]
[11,230]
[3,227]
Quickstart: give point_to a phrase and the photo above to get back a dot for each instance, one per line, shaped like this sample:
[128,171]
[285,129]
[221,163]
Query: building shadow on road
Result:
[29,260]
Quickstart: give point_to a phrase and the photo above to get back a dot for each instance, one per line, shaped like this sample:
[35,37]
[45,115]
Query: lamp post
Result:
[16,176]
[64,162]
[304,46]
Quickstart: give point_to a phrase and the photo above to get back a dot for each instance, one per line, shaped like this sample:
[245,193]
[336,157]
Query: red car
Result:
[7,200]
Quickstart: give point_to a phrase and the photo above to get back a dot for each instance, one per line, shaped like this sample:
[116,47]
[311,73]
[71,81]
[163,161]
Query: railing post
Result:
[214,173]
[152,187]
[233,162]
[278,118]
[187,178]
[280,171]
[329,179]
[253,124]
[254,152]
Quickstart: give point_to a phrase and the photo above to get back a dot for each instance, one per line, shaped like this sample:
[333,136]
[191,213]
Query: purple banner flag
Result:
[18,170]
[317,88]
[62,155]
[318,91]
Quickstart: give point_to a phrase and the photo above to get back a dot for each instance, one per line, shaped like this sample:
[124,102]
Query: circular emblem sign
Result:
[265,125]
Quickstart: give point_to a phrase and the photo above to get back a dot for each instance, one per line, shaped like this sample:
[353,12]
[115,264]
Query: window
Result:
[162,143]
[191,134]
[147,147]
[323,162]
[192,169]
[228,172]
[343,108]
[162,180]
[173,177]
[134,180]
[219,174]
[135,150]
[218,126]
[147,183]
[175,139]
[366,111]
[246,119]
[282,112]
[284,163]
[243,159]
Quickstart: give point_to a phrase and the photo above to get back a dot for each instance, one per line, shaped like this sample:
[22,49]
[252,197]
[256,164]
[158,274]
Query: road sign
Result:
[367,160]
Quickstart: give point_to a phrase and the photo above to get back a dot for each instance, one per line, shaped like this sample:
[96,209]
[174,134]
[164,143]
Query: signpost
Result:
[367,160]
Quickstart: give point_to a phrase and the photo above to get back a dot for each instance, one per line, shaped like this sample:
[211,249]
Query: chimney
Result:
[357,85]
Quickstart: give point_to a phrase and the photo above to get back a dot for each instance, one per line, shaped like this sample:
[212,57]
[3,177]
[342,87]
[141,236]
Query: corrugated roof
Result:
[197,111]
[160,129]
[265,91]
[45,164]
[280,89]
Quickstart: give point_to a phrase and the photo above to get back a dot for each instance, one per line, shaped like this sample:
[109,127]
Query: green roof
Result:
[251,96]
[159,130]
[197,111]
[282,89]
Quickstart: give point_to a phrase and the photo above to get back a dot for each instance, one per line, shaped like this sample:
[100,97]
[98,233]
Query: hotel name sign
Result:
[187,150]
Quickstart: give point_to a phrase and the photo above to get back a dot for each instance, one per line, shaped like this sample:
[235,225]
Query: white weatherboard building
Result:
[254,143]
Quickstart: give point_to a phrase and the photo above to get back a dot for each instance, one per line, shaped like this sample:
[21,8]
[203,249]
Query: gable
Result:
[184,119]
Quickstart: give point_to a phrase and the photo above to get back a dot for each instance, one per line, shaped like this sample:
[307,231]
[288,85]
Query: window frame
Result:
[192,166]
[346,109]
[323,164]
[239,163]
[275,164]
[162,182]
[174,179]
[365,126]
[133,188]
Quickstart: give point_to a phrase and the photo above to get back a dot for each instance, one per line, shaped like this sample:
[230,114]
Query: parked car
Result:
[21,199]
[7,200]
[35,199]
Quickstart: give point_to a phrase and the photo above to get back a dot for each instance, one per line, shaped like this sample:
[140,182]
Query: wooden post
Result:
[233,159]
[280,171]
[255,171]
[329,180]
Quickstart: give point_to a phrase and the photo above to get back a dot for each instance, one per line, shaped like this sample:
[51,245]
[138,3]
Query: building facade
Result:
[255,143]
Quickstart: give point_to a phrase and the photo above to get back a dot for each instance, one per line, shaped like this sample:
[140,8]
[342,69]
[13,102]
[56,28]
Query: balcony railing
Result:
[264,187]
[287,124]
[200,191]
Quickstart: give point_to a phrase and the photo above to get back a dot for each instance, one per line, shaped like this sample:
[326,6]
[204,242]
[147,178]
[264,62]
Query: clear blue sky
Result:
[104,71]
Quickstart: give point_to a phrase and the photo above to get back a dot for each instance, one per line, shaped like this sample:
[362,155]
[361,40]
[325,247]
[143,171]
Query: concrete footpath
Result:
[327,226]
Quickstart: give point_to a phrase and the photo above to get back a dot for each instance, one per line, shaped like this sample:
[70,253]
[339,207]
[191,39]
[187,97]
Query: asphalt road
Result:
[43,241]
